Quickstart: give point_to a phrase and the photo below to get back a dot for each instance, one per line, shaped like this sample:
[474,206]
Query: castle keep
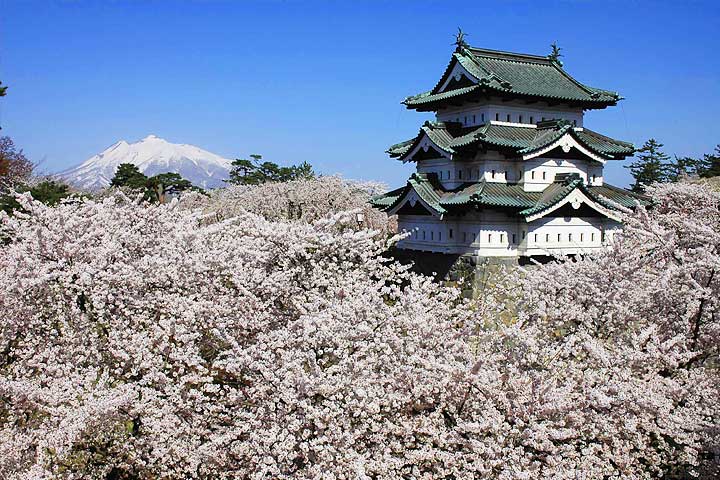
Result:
[508,168]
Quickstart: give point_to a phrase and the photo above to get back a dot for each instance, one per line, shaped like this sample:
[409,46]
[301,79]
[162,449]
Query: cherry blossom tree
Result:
[304,200]
[164,341]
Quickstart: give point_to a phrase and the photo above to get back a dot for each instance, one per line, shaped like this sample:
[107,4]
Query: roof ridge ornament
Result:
[460,42]
[555,54]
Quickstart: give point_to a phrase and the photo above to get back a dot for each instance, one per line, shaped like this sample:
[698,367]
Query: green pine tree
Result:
[651,166]
[711,164]
[48,192]
[163,184]
[255,172]
[128,175]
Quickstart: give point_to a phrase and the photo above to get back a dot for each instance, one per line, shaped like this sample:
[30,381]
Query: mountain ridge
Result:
[152,155]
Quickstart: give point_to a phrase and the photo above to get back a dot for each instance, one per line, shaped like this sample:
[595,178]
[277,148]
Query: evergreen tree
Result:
[255,172]
[651,166]
[681,167]
[128,175]
[49,192]
[3,90]
[711,164]
[166,184]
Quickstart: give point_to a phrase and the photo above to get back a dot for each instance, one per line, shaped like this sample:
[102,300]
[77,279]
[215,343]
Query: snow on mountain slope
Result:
[152,155]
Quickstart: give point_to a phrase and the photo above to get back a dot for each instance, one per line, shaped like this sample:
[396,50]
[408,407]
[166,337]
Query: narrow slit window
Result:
[482,117]
[460,174]
[569,237]
[465,121]
[502,238]
[520,119]
[508,117]
[450,233]
[497,116]
[492,175]
[489,237]
[513,238]
[581,237]
[592,237]
[448,174]
[423,234]
[547,237]
[523,234]
[464,236]
[505,175]
[473,119]
[535,239]
[439,236]
[531,120]
[432,235]
[532,175]
[543,175]
[558,238]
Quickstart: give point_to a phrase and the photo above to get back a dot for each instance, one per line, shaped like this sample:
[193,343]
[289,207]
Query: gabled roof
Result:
[607,199]
[524,141]
[509,74]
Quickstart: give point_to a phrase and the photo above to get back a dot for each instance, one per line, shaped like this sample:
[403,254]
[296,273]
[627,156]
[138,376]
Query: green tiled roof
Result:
[515,75]
[451,137]
[503,195]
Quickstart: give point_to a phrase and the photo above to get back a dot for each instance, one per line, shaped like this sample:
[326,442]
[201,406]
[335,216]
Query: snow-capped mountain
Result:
[152,155]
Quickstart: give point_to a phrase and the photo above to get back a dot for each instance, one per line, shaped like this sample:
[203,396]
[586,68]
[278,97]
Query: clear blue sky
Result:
[323,81]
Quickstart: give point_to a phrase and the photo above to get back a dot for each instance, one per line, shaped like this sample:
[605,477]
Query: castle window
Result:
[450,233]
[505,174]
[493,174]
[464,236]
[581,237]
[423,234]
[502,238]
[547,237]
[602,236]
[513,238]
[531,120]
[535,239]
[439,236]
[508,117]
[592,237]
[489,237]
[569,237]
[593,178]
[523,234]
[473,119]
[432,235]
[448,175]
[460,174]
[520,119]
[497,116]
[474,236]
[465,121]
[532,175]
[519,177]
[543,175]
[482,117]
[558,237]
